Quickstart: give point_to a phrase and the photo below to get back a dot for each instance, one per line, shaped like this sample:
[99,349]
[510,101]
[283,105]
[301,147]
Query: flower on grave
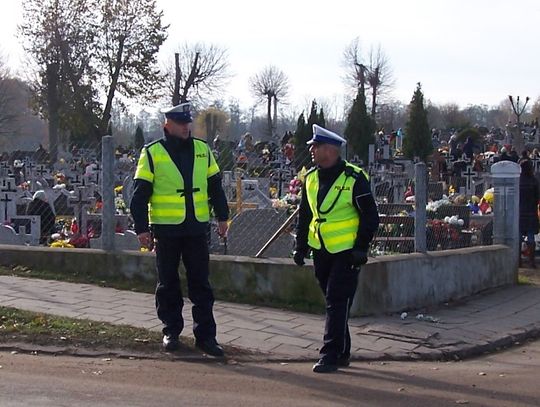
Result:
[435,205]
[118,189]
[61,243]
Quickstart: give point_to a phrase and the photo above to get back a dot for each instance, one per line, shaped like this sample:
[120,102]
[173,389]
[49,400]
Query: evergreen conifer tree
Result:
[360,129]
[139,138]
[417,141]
[304,133]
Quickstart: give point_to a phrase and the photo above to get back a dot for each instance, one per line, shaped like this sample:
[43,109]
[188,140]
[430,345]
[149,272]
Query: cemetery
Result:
[422,217]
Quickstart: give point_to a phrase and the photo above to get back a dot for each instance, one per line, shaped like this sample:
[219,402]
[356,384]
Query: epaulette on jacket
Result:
[159,140]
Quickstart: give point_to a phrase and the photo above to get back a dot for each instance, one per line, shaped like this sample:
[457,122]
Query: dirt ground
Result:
[505,379]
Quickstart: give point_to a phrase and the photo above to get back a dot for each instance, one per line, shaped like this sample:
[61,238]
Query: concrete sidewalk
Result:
[481,324]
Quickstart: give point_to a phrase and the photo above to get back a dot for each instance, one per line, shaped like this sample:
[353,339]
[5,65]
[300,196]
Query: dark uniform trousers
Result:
[193,250]
[338,280]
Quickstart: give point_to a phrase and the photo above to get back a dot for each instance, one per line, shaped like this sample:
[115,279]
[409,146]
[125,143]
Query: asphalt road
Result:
[509,378]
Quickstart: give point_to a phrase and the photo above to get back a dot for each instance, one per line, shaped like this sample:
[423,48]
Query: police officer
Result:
[176,180]
[337,220]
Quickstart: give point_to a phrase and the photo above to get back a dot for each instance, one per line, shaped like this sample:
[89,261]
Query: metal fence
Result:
[262,184]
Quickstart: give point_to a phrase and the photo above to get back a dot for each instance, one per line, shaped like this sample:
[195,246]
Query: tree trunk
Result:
[191,78]
[52,107]
[177,77]
[112,89]
[269,114]
[274,121]
[375,88]
[374,102]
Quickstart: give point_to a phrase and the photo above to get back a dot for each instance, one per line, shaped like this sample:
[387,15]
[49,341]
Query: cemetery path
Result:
[483,323]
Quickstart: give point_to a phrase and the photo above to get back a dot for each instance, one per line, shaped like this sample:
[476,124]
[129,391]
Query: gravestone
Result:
[80,201]
[4,168]
[9,236]
[122,241]
[251,229]
[252,194]
[28,228]
[469,175]
[8,198]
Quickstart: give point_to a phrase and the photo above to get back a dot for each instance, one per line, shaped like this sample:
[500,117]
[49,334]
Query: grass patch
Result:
[44,329]
[523,280]
[139,285]
[74,276]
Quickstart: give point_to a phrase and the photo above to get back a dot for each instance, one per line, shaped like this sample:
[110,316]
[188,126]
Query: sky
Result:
[462,51]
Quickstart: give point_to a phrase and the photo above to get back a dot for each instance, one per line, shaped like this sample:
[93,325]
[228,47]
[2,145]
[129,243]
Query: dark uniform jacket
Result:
[362,200]
[181,152]
[528,204]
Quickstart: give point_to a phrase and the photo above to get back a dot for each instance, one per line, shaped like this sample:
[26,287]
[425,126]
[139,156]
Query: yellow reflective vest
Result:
[167,204]
[336,221]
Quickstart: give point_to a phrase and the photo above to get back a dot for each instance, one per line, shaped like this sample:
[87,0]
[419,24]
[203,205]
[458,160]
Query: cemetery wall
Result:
[387,284]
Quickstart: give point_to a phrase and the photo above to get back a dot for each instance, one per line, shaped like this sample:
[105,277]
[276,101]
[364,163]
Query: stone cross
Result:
[469,175]
[4,168]
[8,207]
[80,201]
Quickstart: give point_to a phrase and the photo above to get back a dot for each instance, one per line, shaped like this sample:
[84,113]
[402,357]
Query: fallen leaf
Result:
[502,375]
[98,372]
[63,338]
[482,374]
[462,401]
[142,340]
[401,389]
[106,359]
[283,364]
[14,352]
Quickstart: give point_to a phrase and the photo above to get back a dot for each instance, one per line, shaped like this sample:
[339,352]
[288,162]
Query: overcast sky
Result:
[462,51]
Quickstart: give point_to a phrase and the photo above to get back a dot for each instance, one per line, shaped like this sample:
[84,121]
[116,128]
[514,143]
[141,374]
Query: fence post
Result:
[420,199]
[107,189]
[505,176]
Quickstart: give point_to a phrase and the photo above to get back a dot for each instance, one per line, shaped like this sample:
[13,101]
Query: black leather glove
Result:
[358,258]
[299,256]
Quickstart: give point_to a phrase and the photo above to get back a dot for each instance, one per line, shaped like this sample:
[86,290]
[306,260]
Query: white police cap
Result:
[181,112]
[323,136]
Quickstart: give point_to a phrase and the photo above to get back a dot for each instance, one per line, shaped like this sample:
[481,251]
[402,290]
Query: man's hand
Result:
[358,258]
[145,239]
[223,227]
[298,257]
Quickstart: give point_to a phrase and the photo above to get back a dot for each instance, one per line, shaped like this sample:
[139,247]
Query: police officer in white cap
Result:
[337,220]
[177,178]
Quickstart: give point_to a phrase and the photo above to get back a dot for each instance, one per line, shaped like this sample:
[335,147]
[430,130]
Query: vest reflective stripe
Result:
[339,227]
[143,168]
[168,203]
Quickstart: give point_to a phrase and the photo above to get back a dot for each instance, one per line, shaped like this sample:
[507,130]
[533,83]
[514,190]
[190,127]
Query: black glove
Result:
[358,258]
[298,257]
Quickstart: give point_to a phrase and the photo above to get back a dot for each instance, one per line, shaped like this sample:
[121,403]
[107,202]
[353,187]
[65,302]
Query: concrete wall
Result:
[386,284]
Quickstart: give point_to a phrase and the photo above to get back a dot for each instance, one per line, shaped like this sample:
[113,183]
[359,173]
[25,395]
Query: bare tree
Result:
[197,72]
[355,68]
[374,73]
[379,76]
[270,86]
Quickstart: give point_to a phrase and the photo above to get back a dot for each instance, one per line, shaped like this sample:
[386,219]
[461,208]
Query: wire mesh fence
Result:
[262,182]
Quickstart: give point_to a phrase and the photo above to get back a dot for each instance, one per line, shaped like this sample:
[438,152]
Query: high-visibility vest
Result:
[336,220]
[167,204]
